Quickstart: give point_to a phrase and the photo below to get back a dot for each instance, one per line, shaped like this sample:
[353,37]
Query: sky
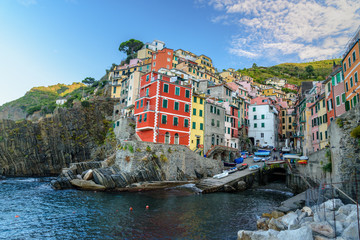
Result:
[45,42]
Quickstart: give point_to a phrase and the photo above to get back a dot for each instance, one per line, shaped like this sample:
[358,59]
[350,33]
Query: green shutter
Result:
[333,81]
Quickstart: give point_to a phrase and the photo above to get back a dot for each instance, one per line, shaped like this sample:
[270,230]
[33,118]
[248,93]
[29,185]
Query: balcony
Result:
[115,84]
[294,124]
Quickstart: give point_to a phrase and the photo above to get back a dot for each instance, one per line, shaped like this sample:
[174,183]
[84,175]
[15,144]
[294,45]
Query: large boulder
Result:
[303,233]
[290,219]
[87,185]
[332,204]
[258,235]
[262,224]
[351,232]
[103,177]
[323,228]
[241,186]
[61,183]
[88,175]
[276,225]
[346,209]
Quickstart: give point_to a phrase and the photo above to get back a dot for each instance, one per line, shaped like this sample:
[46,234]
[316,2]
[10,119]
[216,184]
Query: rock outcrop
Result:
[138,162]
[308,223]
[43,148]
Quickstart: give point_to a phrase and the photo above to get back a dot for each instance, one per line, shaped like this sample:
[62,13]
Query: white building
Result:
[155,45]
[264,125]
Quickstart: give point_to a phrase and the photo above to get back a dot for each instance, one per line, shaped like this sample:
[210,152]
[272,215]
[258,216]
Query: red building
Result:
[162,59]
[163,110]
[291,86]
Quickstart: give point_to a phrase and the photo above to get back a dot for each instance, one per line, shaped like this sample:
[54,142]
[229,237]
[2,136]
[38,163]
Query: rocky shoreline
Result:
[329,220]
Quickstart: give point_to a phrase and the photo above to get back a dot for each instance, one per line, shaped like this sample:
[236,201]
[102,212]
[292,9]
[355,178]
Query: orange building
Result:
[351,71]
[162,59]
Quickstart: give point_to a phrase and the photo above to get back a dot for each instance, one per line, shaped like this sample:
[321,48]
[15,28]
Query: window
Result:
[186,107]
[137,104]
[255,117]
[140,117]
[193,125]
[201,126]
[320,135]
[323,103]
[165,103]
[262,125]
[218,112]
[147,92]
[114,90]
[218,123]
[354,56]
[168,59]
[317,135]
[356,77]
[147,78]
[195,99]
[283,120]
[313,136]
[312,111]
[211,109]
[283,127]
[167,138]
[289,119]
[212,122]
[337,100]
[329,88]
[344,67]
[176,105]
[194,111]
[326,136]
[351,82]
[201,101]
[154,64]
[187,93]
[346,86]
[255,125]
[262,135]
[349,61]
[163,119]
[228,130]
[176,121]
[176,139]
[254,109]
[186,122]
[141,103]
[166,88]
[177,91]
[262,116]
[145,117]
[200,113]
[289,126]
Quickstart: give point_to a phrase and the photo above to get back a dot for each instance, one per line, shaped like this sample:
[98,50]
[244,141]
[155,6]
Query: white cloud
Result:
[308,28]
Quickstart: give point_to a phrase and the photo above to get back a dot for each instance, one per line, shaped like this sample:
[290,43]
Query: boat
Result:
[221,175]
[262,154]
[275,162]
[302,162]
[265,159]
[242,166]
[232,170]
[254,168]
[257,159]
[226,164]
[239,160]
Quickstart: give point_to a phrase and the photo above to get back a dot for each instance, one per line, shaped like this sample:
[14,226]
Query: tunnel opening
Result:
[276,175]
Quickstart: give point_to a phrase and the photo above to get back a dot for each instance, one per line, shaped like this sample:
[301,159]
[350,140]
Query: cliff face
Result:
[43,148]
[345,152]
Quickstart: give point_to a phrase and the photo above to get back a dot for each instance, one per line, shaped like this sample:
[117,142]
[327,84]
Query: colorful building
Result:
[163,110]
[206,63]
[351,71]
[197,123]
[162,59]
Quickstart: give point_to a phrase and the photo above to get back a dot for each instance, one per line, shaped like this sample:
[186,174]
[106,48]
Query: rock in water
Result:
[87,185]
[332,204]
[262,224]
[88,175]
[241,186]
[303,233]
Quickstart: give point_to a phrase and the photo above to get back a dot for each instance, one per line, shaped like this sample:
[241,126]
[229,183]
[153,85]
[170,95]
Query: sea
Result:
[31,209]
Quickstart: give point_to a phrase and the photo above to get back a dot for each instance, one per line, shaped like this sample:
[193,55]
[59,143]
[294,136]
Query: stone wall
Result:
[345,151]
[314,168]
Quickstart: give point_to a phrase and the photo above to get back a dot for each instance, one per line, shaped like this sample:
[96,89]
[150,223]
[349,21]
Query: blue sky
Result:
[45,42]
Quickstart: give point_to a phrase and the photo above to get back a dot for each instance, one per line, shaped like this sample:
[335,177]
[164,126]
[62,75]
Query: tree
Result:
[254,65]
[88,81]
[310,70]
[130,47]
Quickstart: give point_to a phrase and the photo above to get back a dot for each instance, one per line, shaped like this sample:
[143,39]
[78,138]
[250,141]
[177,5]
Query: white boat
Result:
[254,168]
[232,170]
[221,175]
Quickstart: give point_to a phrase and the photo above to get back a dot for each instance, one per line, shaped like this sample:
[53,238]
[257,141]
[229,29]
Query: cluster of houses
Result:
[320,103]
[178,97]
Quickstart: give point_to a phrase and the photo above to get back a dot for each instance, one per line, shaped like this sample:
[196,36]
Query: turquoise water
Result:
[44,213]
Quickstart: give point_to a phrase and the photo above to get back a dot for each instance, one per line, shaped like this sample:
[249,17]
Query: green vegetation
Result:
[138,150]
[355,133]
[328,166]
[88,81]
[295,73]
[340,122]
[169,150]
[148,149]
[130,47]
[163,158]
[131,148]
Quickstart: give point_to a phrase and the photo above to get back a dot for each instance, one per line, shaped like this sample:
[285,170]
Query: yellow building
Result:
[230,75]
[206,63]
[144,53]
[197,124]
[288,121]
[197,71]
[273,92]
[322,120]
